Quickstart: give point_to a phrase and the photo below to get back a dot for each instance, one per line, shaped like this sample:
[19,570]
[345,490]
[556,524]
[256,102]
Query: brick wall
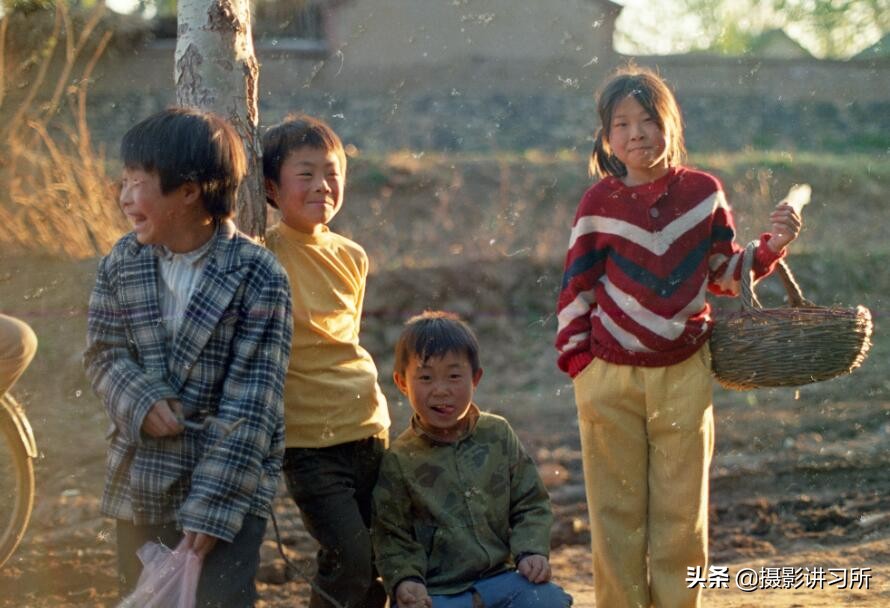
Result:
[480,105]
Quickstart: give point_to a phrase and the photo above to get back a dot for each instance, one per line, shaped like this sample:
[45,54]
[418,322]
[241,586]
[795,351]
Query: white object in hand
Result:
[798,196]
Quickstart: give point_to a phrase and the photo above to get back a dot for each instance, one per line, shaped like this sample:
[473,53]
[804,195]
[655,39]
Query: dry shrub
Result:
[55,196]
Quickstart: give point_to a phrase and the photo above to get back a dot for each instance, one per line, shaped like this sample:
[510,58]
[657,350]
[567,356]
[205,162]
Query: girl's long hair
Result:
[655,96]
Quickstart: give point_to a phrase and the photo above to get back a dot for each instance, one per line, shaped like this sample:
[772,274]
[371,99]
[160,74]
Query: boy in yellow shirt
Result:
[337,423]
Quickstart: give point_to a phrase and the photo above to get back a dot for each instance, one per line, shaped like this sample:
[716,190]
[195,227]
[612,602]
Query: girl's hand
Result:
[535,568]
[786,225]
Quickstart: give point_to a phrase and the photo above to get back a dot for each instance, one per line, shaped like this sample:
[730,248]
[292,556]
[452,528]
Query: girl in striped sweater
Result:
[649,240]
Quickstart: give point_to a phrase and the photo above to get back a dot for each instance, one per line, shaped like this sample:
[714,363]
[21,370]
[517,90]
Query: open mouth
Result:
[136,221]
[442,410]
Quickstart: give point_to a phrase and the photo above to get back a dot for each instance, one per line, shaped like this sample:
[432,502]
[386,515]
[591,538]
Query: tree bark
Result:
[216,70]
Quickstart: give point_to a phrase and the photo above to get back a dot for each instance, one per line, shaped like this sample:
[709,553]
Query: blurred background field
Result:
[462,189]
[484,236]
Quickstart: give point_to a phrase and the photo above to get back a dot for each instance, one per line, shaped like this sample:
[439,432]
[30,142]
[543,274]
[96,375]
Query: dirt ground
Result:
[800,482]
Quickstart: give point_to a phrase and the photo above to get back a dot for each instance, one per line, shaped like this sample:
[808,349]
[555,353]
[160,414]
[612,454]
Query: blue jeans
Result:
[507,590]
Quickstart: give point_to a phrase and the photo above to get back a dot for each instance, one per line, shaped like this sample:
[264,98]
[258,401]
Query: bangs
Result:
[433,335]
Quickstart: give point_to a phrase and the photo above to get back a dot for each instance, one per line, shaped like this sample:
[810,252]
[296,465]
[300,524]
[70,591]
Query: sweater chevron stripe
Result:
[640,262]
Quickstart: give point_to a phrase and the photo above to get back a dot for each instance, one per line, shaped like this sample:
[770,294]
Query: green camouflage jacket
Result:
[453,513]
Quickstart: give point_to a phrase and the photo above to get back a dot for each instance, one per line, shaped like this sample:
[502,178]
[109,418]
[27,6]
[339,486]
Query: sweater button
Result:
[653,212]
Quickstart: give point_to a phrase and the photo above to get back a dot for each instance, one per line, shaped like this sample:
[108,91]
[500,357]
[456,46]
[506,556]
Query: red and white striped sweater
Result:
[639,263]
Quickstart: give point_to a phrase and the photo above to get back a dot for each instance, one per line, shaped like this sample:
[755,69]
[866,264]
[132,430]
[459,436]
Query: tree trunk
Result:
[216,70]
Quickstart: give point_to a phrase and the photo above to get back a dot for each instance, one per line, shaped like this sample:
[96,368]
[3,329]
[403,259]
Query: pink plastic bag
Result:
[169,579]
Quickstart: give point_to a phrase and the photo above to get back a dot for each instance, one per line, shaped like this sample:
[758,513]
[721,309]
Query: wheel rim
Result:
[16,487]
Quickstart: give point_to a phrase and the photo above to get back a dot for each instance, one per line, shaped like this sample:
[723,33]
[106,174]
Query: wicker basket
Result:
[791,346]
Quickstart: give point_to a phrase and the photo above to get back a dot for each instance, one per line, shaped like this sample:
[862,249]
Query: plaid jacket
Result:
[229,359]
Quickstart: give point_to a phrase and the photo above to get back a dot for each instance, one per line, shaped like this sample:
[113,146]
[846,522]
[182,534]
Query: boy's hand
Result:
[786,224]
[200,543]
[161,419]
[411,594]
[536,568]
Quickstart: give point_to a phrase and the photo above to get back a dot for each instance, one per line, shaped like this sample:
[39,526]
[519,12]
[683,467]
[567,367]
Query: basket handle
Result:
[749,298]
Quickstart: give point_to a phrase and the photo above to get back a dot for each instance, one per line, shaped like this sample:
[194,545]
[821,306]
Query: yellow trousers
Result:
[647,436]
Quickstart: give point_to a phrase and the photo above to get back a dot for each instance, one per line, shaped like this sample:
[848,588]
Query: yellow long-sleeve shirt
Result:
[331,395]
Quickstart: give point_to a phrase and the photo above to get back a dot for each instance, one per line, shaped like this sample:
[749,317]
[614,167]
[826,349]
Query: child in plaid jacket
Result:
[189,319]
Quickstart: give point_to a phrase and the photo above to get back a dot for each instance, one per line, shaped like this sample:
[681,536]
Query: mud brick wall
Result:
[489,105]
[441,122]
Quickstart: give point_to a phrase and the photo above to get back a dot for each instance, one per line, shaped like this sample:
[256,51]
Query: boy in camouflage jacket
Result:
[460,512]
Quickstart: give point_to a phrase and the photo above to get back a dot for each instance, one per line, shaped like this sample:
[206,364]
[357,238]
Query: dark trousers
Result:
[227,574]
[332,487]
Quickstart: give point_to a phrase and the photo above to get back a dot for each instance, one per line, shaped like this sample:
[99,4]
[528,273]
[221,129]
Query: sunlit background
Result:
[467,160]
[826,28]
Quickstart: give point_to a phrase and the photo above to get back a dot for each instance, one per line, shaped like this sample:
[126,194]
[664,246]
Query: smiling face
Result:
[638,141]
[177,220]
[309,190]
[440,390]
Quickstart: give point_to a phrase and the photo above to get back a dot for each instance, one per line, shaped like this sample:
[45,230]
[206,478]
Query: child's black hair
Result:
[185,145]
[294,132]
[652,92]
[434,334]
